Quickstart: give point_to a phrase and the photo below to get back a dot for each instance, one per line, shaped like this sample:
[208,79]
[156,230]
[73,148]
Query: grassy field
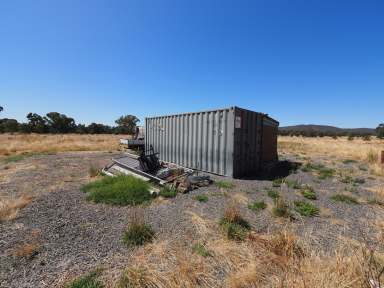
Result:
[339,149]
[15,144]
[321,226]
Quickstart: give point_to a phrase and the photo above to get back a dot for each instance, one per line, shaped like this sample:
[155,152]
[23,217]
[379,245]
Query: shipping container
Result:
[231,142]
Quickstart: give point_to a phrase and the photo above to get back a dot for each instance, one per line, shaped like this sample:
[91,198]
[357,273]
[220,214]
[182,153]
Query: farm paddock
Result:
[54,235]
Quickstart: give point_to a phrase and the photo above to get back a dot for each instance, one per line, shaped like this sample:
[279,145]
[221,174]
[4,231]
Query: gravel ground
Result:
[75,236]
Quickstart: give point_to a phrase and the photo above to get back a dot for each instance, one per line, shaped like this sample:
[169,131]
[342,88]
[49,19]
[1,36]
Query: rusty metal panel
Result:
[227,142]
[269,144]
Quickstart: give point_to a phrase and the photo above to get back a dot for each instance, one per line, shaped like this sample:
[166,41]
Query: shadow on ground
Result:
[275,170]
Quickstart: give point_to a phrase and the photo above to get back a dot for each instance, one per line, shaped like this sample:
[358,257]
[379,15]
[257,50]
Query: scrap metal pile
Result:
[148,167]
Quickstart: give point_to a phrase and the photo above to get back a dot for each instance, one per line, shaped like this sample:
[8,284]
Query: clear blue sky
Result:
[302,61]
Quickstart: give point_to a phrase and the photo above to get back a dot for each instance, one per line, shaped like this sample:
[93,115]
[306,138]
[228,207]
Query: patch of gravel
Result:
[76,236]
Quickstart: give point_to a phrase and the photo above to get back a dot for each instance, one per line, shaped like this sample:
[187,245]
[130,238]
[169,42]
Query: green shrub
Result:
[200,249]
[308,192]
[274,194]
[281,208]
[306,208]
[293,184]
[234,225]
[234,231]
[344,198]
[201,198]
[88,281]
[168,192]
[225,184]
[120,190]
[257,206]
[138,234]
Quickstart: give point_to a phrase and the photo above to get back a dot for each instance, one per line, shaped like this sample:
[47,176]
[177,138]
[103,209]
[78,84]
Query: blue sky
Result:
[302,61]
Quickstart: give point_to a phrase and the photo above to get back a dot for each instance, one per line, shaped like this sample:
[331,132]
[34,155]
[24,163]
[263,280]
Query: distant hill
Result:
[305,129]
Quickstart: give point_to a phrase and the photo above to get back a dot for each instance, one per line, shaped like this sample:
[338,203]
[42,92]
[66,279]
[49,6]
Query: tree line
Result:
[54,122]
[379,132]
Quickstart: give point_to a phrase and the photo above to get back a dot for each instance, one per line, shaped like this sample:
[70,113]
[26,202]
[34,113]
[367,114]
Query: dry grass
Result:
[341,148]
[9,208]
[30,247]
[11,144]
[279,260]
[262,260]
[26,250]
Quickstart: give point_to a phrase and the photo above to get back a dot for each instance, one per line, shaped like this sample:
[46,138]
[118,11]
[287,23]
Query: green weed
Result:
[274,194]
[168,192]
[138,234]
[257,206]
[306,208]
[120,190]
[201,198]
[280,208]
[234,225]
[344,198]
[225,184]
[88,281]
[200,249]
[325,173]
[308,192]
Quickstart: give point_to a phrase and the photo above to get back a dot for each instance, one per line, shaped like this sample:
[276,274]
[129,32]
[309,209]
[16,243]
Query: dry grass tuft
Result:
[285,244]
[26,250]
[9,208]
[41,143]
[232,212]
[240,197]
[177,269]
[30,247]
[202,226]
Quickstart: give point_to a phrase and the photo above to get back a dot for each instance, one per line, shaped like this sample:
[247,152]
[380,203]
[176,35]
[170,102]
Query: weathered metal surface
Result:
[130,165]
[225,141]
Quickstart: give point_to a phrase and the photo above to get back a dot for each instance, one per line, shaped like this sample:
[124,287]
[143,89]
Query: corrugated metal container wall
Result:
[247,139]
[202,140]
[227,142]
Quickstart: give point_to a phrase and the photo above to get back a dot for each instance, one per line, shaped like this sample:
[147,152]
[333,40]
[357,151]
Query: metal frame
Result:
[150,177]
